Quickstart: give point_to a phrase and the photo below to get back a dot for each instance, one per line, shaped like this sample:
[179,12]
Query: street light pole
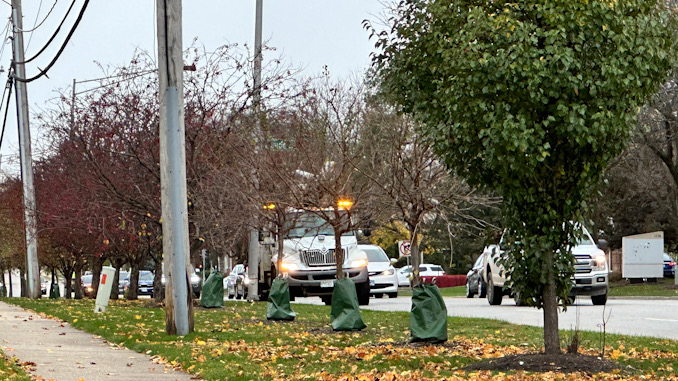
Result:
[33,272]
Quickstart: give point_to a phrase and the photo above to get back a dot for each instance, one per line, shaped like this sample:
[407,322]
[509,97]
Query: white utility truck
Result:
[590,272]
[310,262]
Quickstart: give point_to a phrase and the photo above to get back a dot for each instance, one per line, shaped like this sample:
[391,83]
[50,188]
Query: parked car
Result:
[229,284]
[86,284]
[669,266]
[145,286]
[196,284]
[474,279]
[237,282]
[382,274]
[122,278]
[44,285]
[405,273]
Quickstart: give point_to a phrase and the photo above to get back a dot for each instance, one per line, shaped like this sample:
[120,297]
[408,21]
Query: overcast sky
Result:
[308,33]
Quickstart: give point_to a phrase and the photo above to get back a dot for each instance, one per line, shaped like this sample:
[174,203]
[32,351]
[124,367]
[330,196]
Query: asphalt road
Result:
[642,317]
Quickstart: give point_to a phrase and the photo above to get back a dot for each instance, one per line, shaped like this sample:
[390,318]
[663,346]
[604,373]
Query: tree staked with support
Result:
[531,99]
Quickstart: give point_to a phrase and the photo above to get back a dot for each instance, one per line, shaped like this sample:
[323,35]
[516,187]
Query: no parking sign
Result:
[404,248]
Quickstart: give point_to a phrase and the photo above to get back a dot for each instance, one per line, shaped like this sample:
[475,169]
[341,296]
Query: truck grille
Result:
[583,264]
[322,257]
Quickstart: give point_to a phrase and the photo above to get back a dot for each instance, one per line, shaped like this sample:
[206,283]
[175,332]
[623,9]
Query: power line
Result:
[43,20]
[43,72]
[9,97]
[56,31]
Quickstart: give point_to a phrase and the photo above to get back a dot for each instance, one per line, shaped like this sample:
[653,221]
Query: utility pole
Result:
[254,247]
[178,299]
[33,272]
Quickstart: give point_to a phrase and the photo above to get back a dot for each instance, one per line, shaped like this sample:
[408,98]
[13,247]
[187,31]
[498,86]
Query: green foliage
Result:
[531,99]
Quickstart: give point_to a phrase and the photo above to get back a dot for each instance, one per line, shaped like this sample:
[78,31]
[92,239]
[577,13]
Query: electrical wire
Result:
[4,40]
[36,18]
[56,31]
[9,97]
[44,71]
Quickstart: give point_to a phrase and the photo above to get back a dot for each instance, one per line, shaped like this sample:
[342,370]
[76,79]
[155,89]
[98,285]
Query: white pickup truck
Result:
[590,278]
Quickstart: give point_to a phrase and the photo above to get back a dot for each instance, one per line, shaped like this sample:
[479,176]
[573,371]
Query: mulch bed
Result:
[540,362]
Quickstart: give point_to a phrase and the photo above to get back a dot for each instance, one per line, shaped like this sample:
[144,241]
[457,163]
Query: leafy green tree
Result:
[531,99]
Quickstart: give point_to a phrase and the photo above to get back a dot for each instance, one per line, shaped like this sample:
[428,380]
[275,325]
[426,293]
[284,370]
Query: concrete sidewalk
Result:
[63,353]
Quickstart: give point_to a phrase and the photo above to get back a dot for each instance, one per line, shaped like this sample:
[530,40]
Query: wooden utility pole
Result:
[178,298]
[33,272]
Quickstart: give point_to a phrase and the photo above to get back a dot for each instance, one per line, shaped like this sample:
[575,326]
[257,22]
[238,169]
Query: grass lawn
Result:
[237,343]
[663,287]
[446,291]
[10,370]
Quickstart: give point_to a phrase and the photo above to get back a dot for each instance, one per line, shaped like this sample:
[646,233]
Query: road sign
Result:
[404,248]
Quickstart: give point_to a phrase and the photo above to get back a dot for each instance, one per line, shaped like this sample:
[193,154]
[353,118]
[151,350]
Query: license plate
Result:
[326,283]
[144,290]
[372,283]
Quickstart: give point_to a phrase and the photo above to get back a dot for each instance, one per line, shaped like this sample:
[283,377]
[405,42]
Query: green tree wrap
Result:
[54,292]
[213,291]
[428,318]
[278,307]
[345,313]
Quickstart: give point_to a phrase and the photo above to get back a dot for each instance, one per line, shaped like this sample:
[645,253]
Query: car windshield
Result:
[667,258]
[376,255]
[87,278]
[309,225]
[146,276]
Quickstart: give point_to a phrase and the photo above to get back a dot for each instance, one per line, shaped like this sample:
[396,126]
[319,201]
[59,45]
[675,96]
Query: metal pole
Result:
[178,303]
[254,267]
[26,157]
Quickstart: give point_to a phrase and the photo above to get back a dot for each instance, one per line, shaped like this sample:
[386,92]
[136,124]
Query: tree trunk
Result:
[158,294]
[11,288]
[22,282]
[68,285]
[97,264]
[115,290]
[133,285]
[338,252]
[77,282]
[415,258]
[551,335]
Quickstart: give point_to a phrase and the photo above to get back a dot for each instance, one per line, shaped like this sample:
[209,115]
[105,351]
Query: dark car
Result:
[145,283]
[87,288]
[669,266]
[474,280]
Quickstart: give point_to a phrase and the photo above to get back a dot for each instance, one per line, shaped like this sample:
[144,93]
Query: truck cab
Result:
[310,262]
[590,277]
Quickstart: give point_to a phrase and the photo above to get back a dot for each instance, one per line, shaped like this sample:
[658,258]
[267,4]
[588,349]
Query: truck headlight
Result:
[286,266]
[601,263]
[362,262]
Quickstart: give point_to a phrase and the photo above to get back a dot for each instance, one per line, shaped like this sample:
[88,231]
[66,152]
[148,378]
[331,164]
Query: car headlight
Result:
[90,289]
[362,262]
[388,272]
[286,266]
[600,263]
[195,279]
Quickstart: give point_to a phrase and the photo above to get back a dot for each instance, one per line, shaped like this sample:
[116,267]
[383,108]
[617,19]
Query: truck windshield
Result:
[309,225]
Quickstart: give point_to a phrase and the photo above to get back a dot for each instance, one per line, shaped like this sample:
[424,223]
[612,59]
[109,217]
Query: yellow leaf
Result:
[75,320]
[137,317]
[200,342]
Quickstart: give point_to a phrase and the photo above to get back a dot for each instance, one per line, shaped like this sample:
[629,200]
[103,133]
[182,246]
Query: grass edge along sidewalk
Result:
[237,343]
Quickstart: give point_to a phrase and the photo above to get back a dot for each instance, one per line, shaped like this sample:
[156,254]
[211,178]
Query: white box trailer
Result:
[642,255]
